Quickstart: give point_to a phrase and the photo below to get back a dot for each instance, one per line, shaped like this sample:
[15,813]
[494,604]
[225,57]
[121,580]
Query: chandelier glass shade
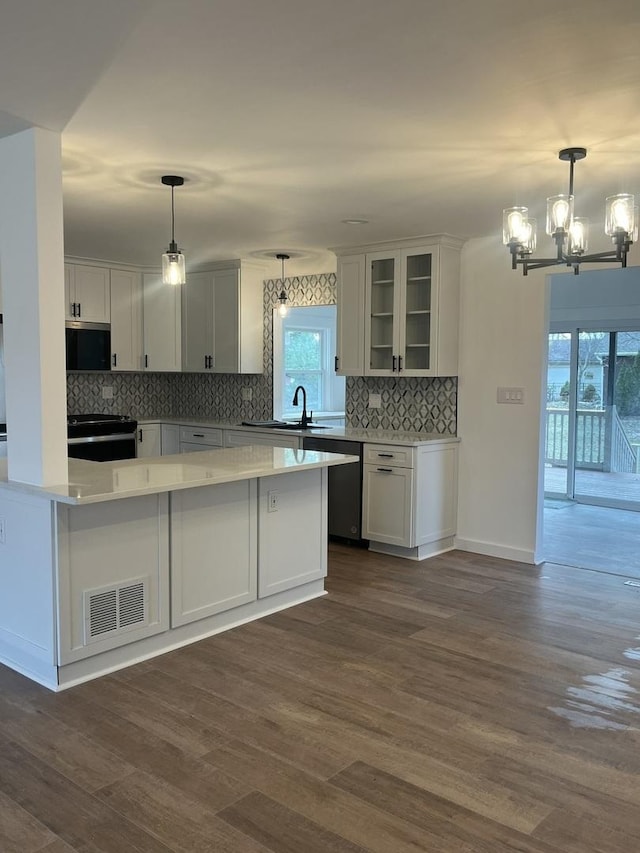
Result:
[569,232]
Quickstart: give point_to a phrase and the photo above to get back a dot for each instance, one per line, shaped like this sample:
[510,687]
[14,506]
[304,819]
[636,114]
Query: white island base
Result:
[136,558]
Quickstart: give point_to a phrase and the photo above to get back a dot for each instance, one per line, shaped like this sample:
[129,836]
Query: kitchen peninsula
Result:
[137,557]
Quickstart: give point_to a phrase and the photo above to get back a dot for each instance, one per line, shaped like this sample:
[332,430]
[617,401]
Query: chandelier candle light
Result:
[570,233]
[173,267]
[282,299]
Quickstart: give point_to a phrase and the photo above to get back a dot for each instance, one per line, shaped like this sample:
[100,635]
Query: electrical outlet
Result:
[247,395]
[2,532]
[272,501]
[107,392]
[375,401]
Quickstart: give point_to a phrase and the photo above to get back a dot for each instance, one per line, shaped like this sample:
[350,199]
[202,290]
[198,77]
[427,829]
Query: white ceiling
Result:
[288,116]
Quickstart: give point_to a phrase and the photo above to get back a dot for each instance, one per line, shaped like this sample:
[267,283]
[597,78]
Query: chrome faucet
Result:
[304,420]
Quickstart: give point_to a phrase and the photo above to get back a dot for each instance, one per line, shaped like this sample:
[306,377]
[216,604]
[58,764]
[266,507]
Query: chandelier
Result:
[570,233]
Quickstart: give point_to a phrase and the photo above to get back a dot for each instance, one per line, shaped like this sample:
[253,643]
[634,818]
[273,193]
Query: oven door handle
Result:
[94,439]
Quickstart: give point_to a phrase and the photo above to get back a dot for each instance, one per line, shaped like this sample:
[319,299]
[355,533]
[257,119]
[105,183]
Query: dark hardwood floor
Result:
[461,705]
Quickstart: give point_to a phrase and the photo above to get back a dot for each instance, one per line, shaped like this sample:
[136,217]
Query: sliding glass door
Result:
[593,417]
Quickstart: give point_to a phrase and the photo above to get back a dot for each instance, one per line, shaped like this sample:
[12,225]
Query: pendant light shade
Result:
[282,299]
[173,265]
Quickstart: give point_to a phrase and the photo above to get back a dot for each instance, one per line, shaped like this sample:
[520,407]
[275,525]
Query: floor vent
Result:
[114,610]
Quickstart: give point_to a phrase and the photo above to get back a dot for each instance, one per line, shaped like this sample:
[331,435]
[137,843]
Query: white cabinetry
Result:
[162,312]
[170,439]
[149,440]
[410,498]
[126,320]
[240,438]
[292,523]
[350,315]
[113,574]
[87,293]
[222,319]
[194,439]
[409,326]
[213,550]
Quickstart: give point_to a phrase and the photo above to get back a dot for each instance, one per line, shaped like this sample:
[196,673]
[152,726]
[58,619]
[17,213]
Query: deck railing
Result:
[594,448]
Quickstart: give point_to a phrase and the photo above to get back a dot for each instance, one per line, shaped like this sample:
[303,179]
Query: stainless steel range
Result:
[101,438]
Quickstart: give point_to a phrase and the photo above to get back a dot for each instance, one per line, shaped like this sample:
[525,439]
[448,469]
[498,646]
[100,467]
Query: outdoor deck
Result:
[602,484]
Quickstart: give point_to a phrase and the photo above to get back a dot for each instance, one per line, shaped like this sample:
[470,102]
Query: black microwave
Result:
[88,345]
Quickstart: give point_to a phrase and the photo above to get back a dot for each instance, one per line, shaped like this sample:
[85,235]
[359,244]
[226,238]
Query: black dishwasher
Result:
[345,488]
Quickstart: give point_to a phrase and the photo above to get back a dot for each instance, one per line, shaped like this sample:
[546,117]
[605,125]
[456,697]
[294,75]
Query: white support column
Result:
[32,272]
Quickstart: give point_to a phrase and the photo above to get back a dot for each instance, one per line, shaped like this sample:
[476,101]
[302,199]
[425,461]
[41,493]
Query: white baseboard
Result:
[491,549]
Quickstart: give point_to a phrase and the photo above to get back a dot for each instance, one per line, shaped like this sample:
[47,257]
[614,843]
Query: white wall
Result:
[503,329]
[504,321]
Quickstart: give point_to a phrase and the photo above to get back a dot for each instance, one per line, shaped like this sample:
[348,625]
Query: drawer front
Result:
[242,438]
[388,454]
[201,435]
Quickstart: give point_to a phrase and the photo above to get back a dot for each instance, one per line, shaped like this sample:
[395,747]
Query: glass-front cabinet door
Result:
[414,350]
[381,333]
[399,333]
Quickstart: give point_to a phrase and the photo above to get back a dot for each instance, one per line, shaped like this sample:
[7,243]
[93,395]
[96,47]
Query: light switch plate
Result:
[247,395]
[375,401]
[511,395]
[107,392]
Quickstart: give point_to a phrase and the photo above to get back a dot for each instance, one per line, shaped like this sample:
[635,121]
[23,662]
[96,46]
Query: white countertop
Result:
[94,482]
[370,436]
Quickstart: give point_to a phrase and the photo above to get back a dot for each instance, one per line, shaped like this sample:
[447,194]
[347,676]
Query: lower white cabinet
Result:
[388,505]
[170,439]
[195,439]
[149,440]
[113,574]
[409,504]
[292,520]
[241,438]
[213,550]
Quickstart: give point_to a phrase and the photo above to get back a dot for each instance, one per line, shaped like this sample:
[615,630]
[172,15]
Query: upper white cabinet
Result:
[162,339]
[126,320]
[222,319]
[398,306]
[87,293]
[349,359]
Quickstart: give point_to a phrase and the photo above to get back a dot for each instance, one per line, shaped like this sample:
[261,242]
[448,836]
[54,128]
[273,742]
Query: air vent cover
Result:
[113,610]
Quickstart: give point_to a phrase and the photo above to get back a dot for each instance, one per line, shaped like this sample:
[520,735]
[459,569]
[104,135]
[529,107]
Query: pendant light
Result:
[282,299]
[173,268]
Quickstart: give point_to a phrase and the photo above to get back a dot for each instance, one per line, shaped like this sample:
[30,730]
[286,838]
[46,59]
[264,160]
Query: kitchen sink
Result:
[282,425]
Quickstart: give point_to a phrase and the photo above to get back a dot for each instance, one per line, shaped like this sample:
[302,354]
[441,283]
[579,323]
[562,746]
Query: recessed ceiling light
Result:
[355,221]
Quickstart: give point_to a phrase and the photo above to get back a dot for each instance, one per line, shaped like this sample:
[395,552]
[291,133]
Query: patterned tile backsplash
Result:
[417,405]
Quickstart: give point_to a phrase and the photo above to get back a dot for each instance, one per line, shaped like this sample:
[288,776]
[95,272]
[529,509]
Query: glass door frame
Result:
[574,329]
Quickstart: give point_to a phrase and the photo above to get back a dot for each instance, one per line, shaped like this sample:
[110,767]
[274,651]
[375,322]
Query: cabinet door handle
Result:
[74,306]
[140,436]
[399,363]
[198,435]
[335,364]
[385,455]
[114,359]
[393,364]
[206,362]
[385,470]
[79,304]
[146,360]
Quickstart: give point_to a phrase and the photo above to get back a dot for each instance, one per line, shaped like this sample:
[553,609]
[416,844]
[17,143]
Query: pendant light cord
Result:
[173,222]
